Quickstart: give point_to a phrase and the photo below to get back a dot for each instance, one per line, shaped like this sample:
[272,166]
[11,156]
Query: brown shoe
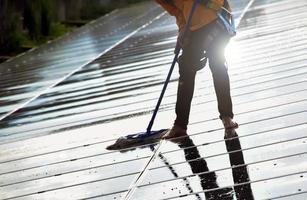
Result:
[174,132]
[229,123]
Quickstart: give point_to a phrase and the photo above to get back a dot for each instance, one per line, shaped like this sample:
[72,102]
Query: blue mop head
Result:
[137,139]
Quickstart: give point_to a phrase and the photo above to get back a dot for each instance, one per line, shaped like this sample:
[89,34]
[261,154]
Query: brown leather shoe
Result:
[174,132]
[229,123]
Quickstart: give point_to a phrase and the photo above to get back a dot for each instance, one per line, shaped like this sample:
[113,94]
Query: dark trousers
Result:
[190,62]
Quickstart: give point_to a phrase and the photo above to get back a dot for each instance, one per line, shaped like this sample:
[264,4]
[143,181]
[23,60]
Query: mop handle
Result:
[177,51]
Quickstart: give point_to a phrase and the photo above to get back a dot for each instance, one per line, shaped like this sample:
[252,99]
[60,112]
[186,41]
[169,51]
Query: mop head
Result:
[127,143]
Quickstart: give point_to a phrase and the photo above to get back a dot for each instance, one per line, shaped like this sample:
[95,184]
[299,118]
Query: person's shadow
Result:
[241,189]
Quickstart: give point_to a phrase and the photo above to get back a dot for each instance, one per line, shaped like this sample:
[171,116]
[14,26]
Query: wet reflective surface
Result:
[207,178]
[108,76]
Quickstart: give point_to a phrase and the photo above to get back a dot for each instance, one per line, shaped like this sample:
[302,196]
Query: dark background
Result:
[28,23]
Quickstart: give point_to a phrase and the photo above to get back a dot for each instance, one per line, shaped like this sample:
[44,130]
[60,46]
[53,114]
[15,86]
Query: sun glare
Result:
[233,52]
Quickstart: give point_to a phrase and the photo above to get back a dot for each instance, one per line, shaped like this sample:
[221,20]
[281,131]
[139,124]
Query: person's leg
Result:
[217,64]
[183,104]
[185,93]
[189,62]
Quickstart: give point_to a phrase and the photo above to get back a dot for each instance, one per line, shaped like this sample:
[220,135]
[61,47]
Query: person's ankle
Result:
[175,131]
[177,126]
[229,123]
